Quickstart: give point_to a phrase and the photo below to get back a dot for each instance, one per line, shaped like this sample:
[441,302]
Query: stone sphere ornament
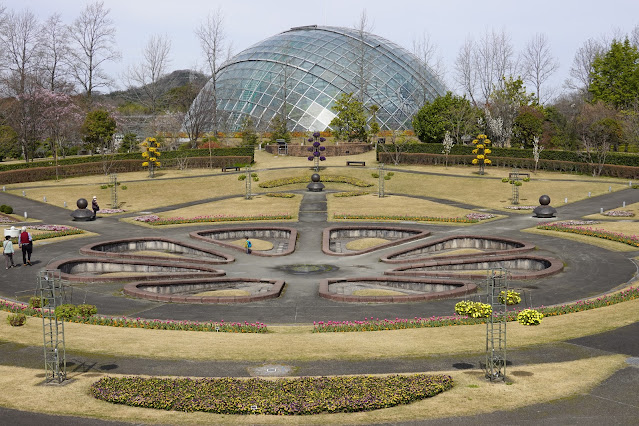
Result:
[82,203]
[82,213]
[315,185]
[544,210]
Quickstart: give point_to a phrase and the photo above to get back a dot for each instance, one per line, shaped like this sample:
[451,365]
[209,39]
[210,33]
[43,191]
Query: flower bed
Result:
[305,179]
[297,396]
[7,219]
[444,321]
[619,213]
[110,211]
[350,194]
[54,231]
[155,220]
[570,227]
[520,207]
[153,324]
[470,218]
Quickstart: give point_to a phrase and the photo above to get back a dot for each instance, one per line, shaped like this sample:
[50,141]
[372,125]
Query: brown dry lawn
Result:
[394,205]
[530,384]
[303,345]
[457,183]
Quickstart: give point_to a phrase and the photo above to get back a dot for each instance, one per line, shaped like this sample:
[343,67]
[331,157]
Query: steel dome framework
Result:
[302,71]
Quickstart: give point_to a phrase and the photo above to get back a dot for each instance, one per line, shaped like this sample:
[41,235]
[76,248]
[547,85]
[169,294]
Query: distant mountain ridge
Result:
[170,81]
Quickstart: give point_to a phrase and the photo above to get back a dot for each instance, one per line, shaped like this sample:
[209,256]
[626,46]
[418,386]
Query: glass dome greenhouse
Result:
[300,73]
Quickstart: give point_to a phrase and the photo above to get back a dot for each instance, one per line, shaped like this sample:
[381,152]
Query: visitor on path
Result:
[7,249]
[25,242]
[248,245]
[94,206]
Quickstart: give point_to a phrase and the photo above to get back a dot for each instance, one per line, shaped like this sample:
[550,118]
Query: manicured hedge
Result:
[118,166]
[613,158]
[625,172]
[166,155]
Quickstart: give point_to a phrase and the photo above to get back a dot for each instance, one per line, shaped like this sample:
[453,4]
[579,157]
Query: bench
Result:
[517,175]
[226,169]
[356,163]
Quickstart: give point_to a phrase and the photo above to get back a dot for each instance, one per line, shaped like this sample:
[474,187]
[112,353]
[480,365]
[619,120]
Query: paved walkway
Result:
[585,267]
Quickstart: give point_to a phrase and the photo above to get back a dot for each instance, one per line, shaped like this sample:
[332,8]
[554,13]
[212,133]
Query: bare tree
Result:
[363,56]
[54,55]
[538,63]
[144,77]
[464,72]
[211,36]
[199,117]
[598,127]
[93,44]
[493,60]
[431,63]
[19,44]
[581,68]
[481,66]
[397,146]
[634,36]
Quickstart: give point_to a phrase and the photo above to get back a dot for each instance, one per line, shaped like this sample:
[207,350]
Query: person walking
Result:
[7,249]
[25,242]
[248,245]
[94,206]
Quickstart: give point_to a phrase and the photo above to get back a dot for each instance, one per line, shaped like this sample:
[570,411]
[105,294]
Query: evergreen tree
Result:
[350,122]
[615,75]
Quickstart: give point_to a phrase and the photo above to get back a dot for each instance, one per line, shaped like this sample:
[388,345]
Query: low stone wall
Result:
[520,267]
[422,289]
[126,248]
[165,291]
[488,244]
[82,270]
[399,234]
[285,236]
[344,148]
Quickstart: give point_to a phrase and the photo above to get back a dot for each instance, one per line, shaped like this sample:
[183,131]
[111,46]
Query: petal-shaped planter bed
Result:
[202,290]
[402,289]
[282,238]
[90,269]
[519,267]
[336,238]
[177,251]
[438,249]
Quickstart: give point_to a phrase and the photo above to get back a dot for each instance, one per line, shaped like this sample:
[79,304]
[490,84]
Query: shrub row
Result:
[616,158]
[120,166]
[152,324]
[166,155]
[371,324]
[624,172]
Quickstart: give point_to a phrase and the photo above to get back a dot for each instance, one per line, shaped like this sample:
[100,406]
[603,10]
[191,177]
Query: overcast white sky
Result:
[567,23]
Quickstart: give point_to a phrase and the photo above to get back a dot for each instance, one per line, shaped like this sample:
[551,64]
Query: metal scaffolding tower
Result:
[248,179]
[381,181]
[497,283]
[113,182]
[51,292]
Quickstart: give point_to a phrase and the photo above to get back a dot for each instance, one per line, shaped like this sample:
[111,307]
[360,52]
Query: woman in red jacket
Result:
[26,243]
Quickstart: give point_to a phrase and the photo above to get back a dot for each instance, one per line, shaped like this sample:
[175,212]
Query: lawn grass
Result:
[471,395]
[303,345]
[394,205]
[530,384]
[627,228]
[182,186]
